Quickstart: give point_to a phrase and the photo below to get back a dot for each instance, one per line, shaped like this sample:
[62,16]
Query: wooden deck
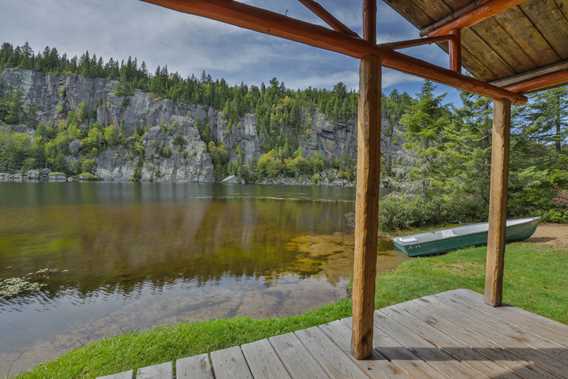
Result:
[449,335]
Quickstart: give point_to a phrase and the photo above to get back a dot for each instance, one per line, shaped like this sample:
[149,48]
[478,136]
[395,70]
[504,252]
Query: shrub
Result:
[88,165]
[296,165]
[316,163]
[269,165]
[87,176]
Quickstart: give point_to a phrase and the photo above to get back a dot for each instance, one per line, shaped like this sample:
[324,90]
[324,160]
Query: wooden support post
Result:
[367,197]
[494,266]
[455,50]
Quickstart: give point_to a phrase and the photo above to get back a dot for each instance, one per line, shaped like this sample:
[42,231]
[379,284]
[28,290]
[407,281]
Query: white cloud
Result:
[189,44]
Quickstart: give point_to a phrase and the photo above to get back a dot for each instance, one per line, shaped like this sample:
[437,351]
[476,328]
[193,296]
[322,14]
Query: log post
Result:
[494,266]
[367,197]
[455,50]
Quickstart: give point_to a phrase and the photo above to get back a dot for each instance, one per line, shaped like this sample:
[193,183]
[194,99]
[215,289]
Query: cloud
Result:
[189,44]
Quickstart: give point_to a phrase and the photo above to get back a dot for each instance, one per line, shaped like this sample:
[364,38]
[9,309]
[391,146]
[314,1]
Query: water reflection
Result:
[129,256]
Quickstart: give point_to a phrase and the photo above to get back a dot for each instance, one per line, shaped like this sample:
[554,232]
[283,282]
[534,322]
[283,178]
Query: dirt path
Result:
[555,235]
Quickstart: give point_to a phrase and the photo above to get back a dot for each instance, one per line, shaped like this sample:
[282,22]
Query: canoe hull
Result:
[514,233]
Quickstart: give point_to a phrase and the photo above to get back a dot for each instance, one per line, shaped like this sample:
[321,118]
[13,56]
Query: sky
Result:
[189,44]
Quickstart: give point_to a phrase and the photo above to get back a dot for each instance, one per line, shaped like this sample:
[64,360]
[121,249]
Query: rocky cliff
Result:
[173,148]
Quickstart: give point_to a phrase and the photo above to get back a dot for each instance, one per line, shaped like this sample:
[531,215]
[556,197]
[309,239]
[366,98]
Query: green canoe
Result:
[446,240]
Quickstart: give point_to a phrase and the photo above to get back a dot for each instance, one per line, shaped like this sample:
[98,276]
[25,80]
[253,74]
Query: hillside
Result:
[141,136]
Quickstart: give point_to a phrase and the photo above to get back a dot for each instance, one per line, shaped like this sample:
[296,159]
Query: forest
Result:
[442,178]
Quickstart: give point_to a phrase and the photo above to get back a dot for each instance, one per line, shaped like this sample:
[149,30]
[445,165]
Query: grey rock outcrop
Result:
[173,149]
[52,96]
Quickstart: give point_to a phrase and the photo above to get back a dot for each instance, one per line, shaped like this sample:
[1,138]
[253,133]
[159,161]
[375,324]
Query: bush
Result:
[220,158]
[88,165]
[401,211]
[559,216]
[87,176]
[316,163]
[269,165]
[297,165]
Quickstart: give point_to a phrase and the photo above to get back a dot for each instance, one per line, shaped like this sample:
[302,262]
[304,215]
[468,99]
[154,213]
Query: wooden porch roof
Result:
[529,37]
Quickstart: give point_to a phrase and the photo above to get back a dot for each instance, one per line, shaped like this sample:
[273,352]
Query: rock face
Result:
[173,147]
[52,96]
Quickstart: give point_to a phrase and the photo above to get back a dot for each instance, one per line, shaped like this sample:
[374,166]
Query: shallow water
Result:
[130,256]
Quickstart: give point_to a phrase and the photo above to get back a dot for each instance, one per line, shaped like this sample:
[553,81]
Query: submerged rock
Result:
[232,179]
[16,286]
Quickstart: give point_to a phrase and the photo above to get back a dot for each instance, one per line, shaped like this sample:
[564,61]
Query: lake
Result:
[115,257]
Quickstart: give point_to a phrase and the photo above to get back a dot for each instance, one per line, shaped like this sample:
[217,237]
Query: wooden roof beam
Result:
[267,22]
[415,42]
[553,79]
[550,76]
[327,17]
[518,78]
[474,13]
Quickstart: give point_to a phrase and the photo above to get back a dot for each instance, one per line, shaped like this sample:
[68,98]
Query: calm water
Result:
[130,256]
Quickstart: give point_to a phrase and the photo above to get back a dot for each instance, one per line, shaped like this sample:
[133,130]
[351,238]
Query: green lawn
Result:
[536,279]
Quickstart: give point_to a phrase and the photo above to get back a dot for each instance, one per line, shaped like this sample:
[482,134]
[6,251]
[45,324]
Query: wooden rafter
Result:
[415,42]
[539,83]
[468,16]
[541,78]
[260,20]
[322,13]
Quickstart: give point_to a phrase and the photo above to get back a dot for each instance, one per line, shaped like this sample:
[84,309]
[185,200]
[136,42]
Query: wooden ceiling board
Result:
[435,9]
[527,37]
[481,49]
[531,35]
[503,45]
[563,5]
[409,11]
[473,64]
[549,19]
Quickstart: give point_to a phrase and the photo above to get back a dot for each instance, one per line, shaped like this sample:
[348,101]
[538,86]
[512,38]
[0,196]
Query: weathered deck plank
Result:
[196,367]
[263,361]
[230,364]
[516,341]
[431,315]
[296,358]
[448,335]
[533,323]
[161,371]
[121,375]
[377,366]
[334,361]
[426,350]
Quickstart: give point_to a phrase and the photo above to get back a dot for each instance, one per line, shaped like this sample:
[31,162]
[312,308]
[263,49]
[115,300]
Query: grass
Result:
[535,279]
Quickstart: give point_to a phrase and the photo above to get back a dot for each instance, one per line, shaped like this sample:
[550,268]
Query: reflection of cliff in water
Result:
[115,248]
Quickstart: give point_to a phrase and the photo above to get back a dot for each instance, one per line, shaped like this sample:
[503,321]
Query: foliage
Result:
[270,164]
[11,107]
[443,168]
[18,151]
[536,281]
[220,158]
[88,177]
[277,109]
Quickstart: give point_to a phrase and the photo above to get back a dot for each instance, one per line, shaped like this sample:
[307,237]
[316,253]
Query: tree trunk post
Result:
[367,197]
[494,266]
